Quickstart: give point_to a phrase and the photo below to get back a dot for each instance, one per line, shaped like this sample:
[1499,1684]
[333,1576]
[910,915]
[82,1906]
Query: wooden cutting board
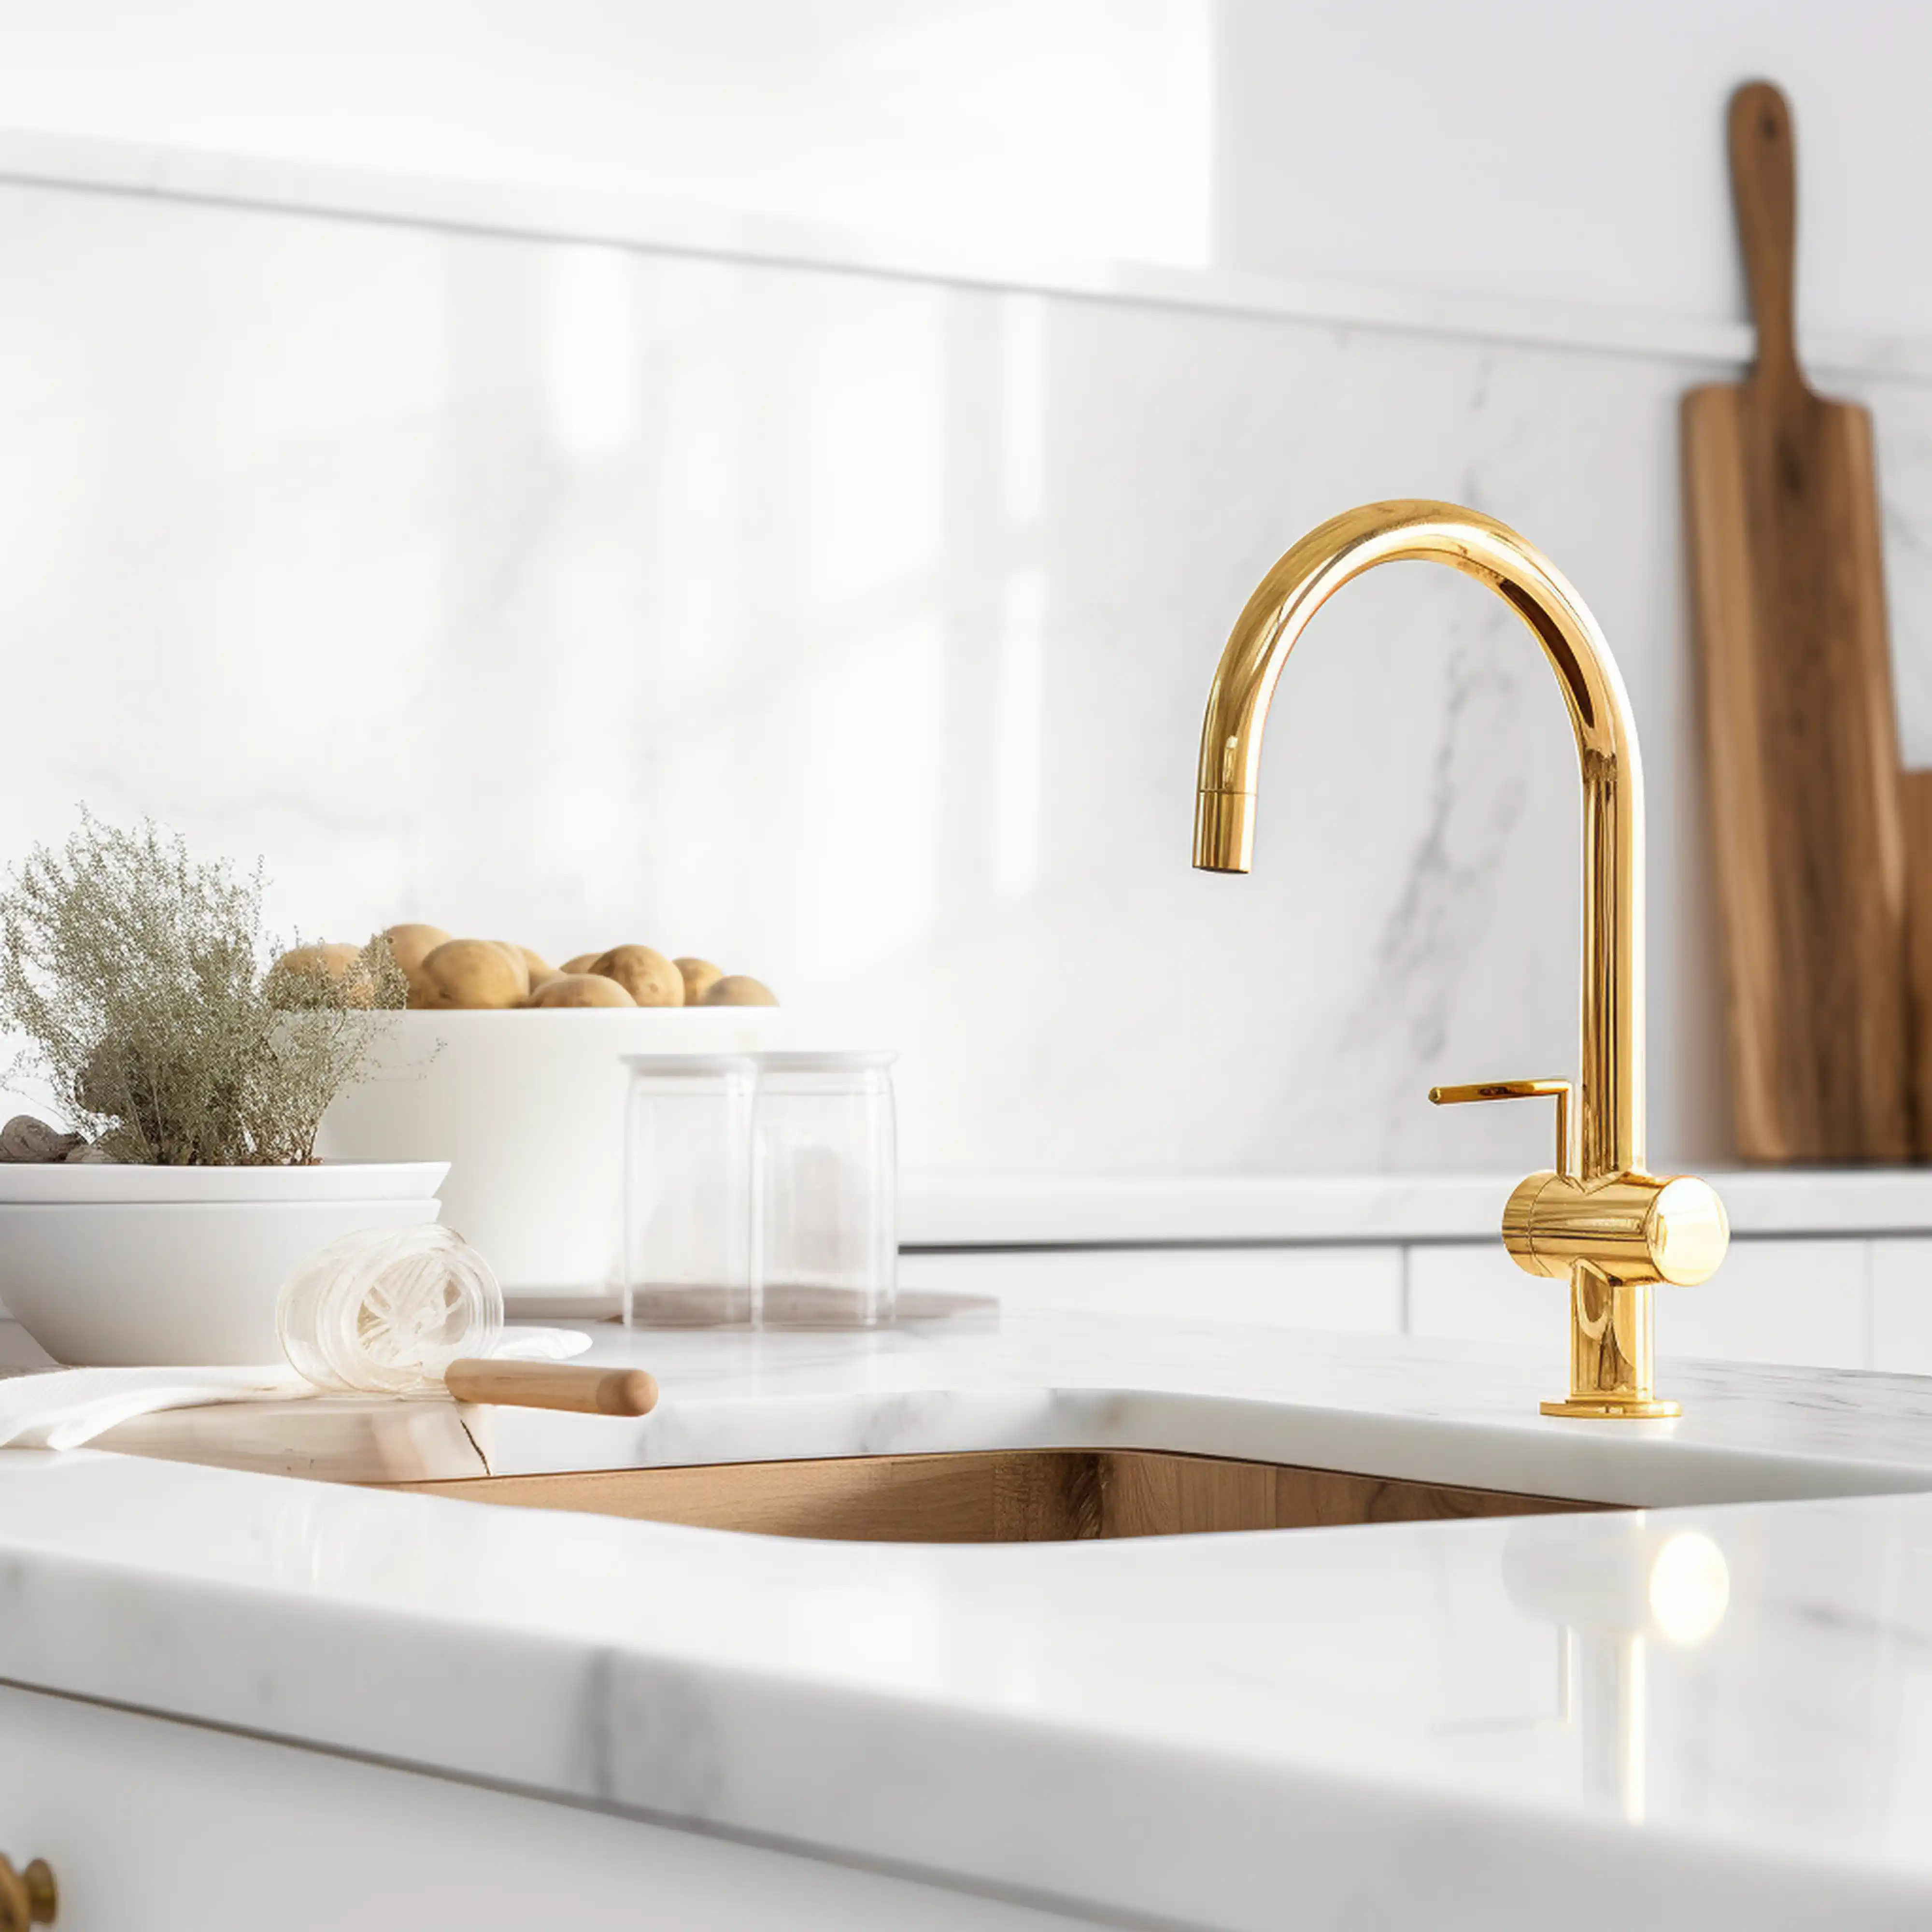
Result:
[1916,801]
[1788,596]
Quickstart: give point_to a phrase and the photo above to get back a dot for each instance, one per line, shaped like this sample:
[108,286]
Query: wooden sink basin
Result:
[1008,1495]
[1025,1496]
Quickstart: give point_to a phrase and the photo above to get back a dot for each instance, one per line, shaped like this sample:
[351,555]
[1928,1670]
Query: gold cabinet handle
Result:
[1558,1090]
[27,1898]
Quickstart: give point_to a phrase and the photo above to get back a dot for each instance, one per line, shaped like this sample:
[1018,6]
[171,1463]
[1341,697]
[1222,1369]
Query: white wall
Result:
[1553,153]
[1076,124]
[854,630]
[1574,153]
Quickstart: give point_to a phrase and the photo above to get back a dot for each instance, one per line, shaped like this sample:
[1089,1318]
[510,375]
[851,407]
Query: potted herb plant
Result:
[184,1067]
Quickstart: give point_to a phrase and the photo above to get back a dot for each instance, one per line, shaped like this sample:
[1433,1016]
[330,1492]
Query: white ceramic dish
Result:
[528,1109]
[180,1283]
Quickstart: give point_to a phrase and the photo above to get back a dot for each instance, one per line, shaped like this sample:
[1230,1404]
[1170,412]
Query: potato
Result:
[467,973]
[539,968]
[649,977]
[412,944]
[581,989]
[740,989]
[582,963]
[516,956]
[700,976]
[325,961]
[321,966]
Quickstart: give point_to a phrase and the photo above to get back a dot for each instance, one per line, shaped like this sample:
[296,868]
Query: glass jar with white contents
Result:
[824,1190]
[687,1190]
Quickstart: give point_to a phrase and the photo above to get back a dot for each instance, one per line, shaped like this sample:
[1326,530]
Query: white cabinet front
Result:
[154,1826]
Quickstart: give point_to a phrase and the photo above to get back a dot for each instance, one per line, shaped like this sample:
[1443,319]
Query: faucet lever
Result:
[1517,1090]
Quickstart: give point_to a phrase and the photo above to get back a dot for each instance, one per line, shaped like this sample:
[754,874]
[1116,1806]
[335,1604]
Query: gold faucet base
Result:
[1611,1411]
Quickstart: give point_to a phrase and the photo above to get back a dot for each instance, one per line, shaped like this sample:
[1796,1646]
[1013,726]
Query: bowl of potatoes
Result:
[447,974]
[511,1068]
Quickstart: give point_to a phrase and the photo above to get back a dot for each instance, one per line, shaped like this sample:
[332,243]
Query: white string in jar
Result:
[385,1311]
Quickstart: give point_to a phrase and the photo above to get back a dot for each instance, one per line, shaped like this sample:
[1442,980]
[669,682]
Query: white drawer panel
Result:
[1901,1290]
[1357,1289]
[1795,1302]
[1789,1301]
[1477,1294]
[151,1826]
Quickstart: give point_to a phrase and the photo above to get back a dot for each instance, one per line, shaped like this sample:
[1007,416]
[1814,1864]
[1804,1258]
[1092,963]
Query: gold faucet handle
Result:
[1558,1090]
[1633,1229]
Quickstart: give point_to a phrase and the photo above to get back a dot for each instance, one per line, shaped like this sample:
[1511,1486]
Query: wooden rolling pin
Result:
[581,1389]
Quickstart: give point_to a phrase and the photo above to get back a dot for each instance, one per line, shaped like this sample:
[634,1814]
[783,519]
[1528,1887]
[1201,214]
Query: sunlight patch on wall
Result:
[874,447]
[590,375]
[1023,406]
[702,556]
[1019,700]
[863,770]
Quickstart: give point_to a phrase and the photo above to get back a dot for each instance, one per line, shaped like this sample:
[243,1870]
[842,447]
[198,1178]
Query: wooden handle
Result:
[27,1898]
[583,1390]
[1764,179]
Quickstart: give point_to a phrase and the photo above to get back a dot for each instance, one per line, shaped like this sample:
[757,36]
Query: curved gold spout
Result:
[1610,1099]
[1611,1351]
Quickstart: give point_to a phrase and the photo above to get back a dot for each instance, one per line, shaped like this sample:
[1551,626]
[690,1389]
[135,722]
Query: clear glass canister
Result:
[825,1190]
[687,1190]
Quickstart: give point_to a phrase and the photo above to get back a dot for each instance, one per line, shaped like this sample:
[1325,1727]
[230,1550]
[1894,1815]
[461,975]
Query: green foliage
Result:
[140,980]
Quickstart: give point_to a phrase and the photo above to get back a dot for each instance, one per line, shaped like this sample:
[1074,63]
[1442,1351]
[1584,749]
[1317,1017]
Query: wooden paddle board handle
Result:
[1764,176]
[577,1387]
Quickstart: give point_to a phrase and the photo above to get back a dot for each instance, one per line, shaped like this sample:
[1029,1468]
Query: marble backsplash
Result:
[855,632]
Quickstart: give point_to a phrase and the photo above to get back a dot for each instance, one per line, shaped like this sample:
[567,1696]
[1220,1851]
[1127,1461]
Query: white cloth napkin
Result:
[62,1408]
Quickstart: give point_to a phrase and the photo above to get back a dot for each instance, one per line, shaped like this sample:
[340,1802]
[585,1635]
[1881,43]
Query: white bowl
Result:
[528,1109]
[63,1182]
[176,1282]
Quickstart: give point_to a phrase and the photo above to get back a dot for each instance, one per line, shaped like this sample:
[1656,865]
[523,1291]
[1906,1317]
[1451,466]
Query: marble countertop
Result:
[1712,1713]
[1459,1413]
[941,1210]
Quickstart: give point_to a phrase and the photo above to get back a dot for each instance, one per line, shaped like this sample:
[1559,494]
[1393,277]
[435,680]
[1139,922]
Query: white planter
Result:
[528,1109]
[106,1265]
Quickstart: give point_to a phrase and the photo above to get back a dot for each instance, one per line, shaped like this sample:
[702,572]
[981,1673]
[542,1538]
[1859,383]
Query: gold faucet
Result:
[1597,1218]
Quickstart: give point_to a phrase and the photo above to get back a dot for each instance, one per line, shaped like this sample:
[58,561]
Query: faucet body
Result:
[1597,1218]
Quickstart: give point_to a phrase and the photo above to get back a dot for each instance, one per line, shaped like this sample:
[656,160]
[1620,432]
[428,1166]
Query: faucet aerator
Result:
[1224,831]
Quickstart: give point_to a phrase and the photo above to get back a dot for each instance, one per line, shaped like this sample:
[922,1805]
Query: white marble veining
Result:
[856,632]
[1720,1711]
[853,631]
